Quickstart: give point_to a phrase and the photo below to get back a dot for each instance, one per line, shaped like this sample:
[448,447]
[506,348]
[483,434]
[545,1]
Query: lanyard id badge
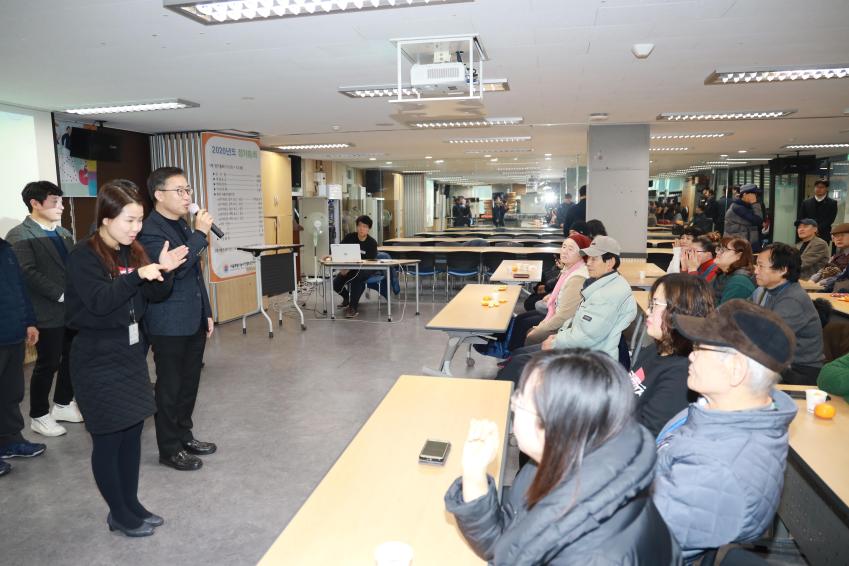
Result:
[134,333]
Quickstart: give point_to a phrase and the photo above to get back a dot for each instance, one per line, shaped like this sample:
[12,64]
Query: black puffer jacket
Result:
[612,520]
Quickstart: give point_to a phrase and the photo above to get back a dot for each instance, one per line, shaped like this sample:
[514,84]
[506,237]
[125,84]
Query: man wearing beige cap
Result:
[838,265]
[720,462]
[813,249]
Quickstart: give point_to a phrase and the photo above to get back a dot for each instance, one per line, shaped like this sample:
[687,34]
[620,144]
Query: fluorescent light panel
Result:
[122,107]
[736,115]
[669,149]
[503,139]
[213,13]
[391,90]
[423,171]
[689,136]
[817,146]
[482,123]
[303,147]
[499,150]
[777,74]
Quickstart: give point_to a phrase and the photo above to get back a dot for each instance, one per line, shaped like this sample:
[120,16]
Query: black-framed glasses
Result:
[704,348]
[181,191]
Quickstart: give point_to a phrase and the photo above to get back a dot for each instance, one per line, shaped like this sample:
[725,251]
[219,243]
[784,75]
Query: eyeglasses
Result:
[181,191]
[703,348]
[720,251]
[514,404]
[654,304]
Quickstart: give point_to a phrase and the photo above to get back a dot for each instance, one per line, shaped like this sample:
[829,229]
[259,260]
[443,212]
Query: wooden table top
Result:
[821,443]
[469,238]
[466,313]
[810,286]
[630,270]
[504,272]
[377,491]
[642,298]
[665,242]
[665,251]
[841,307]
[519,250]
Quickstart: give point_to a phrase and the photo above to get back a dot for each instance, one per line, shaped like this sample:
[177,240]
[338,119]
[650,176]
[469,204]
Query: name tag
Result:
[134,333]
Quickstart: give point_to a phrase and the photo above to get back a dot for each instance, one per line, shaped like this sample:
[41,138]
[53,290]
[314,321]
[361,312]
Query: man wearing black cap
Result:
[777,275]
[745,217]
[720,462]
[821,208]
[814,251]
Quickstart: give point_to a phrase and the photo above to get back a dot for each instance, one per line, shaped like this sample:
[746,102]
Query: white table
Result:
[505,273]
[329,266]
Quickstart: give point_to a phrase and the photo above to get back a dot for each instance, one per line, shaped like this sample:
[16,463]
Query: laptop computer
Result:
[345,253]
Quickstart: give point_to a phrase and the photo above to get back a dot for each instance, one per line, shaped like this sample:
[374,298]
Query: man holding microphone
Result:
[178,326]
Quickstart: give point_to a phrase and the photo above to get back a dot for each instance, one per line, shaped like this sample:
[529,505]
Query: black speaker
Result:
[651,183]
[94,145]
[374,180]
[295,161]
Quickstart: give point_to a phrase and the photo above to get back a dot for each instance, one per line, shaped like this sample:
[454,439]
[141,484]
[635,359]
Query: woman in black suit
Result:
[110,280]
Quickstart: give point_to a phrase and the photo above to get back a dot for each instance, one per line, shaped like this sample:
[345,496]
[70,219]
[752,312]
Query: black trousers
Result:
[54,349]
[356,280]
[11,393]
[178,362]
[521,326]
[800,375]
[115,459]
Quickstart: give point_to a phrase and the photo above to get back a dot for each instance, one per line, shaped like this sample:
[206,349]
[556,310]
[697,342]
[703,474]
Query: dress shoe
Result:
[154,520]
[143,530]
[69,413]
[182,461]
[200,448]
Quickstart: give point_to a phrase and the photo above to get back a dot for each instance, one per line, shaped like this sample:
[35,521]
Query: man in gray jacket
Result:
[815,252]
[777,274]
[720,462]
[745,217]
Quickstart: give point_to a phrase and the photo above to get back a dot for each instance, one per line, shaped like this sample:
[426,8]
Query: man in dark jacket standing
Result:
[720,462]
[577,212]
[42,246]
[179,326]
[16,326]
[821,208]
[745,217]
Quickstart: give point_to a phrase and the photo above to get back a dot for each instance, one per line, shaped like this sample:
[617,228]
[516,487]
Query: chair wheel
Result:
[470,362]
[303,327]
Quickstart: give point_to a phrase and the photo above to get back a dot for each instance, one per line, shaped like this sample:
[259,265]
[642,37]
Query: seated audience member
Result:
[736,262]
[563,300]
[839,262]
[596,228]
[834,377]
[687,237]
[679,247]
[584,497]
[699,258]
[17,330]
[580,227]
[355,278]
[814,251]
[720,462]
[660,374]
[606,309]
[777,274]
[701,221]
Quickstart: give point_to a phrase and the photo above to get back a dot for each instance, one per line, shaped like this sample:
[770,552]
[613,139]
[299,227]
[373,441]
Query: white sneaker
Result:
[69,413]
[46,426]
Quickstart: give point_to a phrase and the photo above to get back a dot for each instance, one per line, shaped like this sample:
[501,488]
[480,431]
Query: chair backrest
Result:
[511,244]
[452,244]
[383,255]
[462,262]
[491,260]
[548,260]
[426,260]
[476,243]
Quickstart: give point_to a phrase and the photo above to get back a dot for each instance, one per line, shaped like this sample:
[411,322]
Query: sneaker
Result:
[46,426]
[22,450]
[5,468]
[351,312]
[69,413]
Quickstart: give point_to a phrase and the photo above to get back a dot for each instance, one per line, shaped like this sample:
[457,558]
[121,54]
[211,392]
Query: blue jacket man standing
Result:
[178,326]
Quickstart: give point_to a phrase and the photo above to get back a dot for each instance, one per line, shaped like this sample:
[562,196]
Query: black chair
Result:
[476,243]
[427,268]
[461,265]
[548,260]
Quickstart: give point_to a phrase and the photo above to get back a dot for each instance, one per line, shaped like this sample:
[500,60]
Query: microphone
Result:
[194,208]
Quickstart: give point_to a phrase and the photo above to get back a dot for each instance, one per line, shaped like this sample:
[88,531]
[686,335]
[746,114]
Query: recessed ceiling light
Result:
[689,136]
[487,155]
[428,157]
[669,148]
[742,151]
[494,159]
[483,123]
[389,163]
[817,146]
[211,13]
[724,155]
[736,115]
[548,159]
[547,155]
[387,90]
[372,158]
[504,139]
[314,146]
[777,74]
[122,107]
[439,161]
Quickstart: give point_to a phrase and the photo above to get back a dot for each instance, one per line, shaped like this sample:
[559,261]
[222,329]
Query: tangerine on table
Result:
[825,411]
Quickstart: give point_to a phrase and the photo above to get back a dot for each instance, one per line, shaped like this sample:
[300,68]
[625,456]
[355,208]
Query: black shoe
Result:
[5,468]
[200,448]
[143,530]
[351,312]
[182,461]
[345,302]
[154,520]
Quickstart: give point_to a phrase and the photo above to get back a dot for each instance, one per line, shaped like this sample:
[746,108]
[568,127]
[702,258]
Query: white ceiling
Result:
[564,59]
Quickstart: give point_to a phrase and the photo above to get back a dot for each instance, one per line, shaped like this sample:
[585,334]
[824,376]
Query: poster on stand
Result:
[77,177]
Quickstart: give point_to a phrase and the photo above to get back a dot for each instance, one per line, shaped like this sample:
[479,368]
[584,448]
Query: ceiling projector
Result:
[439,77]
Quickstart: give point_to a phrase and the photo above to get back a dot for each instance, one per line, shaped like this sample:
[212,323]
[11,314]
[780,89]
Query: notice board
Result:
[233,195]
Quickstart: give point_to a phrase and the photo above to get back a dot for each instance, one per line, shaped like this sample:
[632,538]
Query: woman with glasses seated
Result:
[584,498]
[659,376]
[734,258]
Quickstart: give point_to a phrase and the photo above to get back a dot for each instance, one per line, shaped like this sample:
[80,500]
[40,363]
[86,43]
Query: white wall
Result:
[26,154]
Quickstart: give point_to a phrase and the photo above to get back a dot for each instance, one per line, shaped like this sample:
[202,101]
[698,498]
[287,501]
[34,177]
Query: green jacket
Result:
[834,377]
[738,285]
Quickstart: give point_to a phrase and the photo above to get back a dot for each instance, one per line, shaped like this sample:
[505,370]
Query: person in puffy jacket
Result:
[745,217]
[584,497]
[720,462]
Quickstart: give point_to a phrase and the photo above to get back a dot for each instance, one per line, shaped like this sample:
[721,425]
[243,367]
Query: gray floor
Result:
[281,412]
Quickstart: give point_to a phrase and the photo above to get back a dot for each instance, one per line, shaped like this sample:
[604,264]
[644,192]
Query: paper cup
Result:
[814,397]
[642,274]
[393,553]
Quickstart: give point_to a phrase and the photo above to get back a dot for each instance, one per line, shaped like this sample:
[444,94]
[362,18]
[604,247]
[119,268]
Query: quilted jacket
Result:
[719,474]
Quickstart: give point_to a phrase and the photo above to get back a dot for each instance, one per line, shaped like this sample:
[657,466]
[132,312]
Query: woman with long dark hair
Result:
[659,376]
[584,498]
[735,259]
[110,281]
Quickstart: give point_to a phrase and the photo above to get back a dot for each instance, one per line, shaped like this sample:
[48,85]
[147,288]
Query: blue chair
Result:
[427,268]
[378,280]
[461,265]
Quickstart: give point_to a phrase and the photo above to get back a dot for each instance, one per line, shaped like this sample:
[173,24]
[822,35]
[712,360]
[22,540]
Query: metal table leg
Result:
[295,291]
[417,289]
[388,293]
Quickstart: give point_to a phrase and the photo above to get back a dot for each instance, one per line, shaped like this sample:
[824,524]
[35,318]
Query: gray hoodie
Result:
[719,474]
